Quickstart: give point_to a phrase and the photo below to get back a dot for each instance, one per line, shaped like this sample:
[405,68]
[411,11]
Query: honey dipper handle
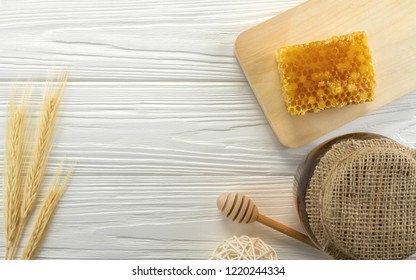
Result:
[285,230]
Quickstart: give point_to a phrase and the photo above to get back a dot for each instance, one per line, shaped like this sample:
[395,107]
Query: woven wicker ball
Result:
[243,248]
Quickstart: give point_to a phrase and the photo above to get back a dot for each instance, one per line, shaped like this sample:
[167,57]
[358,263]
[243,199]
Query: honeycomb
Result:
[326,74]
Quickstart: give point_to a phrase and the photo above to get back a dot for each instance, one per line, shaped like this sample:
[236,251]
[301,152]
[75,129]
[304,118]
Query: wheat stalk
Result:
[48,207]
[14,162]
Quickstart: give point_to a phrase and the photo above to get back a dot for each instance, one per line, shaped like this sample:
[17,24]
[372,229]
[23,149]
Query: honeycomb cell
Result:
[326,74]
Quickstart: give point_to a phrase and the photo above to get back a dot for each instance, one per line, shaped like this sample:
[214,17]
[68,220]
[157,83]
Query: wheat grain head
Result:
[48,207]
[14,163]
[34,178]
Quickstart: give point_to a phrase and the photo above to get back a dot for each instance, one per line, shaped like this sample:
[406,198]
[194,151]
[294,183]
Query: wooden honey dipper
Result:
[241,209]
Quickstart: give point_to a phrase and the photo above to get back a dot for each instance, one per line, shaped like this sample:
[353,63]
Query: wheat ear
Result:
[48,207]
[14,162]
[36,171]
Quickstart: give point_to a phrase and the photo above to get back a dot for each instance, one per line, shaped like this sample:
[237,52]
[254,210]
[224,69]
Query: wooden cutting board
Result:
[391,29]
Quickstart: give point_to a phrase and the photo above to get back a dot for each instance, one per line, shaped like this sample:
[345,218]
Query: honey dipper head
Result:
[237,207]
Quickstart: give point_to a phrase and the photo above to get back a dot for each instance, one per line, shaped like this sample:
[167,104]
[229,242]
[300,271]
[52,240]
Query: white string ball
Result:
[243,248]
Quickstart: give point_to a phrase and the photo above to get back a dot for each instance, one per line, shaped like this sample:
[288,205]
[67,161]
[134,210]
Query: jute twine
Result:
[361,200]
[243,248]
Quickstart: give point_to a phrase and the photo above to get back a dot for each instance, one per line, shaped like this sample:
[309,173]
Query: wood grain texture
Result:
[391,29]
[160,120]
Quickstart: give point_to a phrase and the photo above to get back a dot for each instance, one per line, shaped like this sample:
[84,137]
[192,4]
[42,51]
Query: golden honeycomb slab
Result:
[326,74]
[391,30]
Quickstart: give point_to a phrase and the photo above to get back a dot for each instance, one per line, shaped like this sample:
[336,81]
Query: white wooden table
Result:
[160,120]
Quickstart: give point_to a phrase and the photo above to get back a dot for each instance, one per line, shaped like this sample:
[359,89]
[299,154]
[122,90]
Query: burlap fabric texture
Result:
[361,200]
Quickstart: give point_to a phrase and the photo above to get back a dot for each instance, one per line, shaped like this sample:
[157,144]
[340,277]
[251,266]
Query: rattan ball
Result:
[243,248]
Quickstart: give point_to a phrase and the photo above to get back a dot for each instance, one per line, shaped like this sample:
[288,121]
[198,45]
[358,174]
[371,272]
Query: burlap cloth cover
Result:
[361,200]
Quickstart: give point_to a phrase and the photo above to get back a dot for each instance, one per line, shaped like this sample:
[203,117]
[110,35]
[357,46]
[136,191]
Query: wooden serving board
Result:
[391,29]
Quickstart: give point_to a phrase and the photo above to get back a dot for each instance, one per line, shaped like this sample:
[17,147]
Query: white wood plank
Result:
[160,121]
[128,40]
